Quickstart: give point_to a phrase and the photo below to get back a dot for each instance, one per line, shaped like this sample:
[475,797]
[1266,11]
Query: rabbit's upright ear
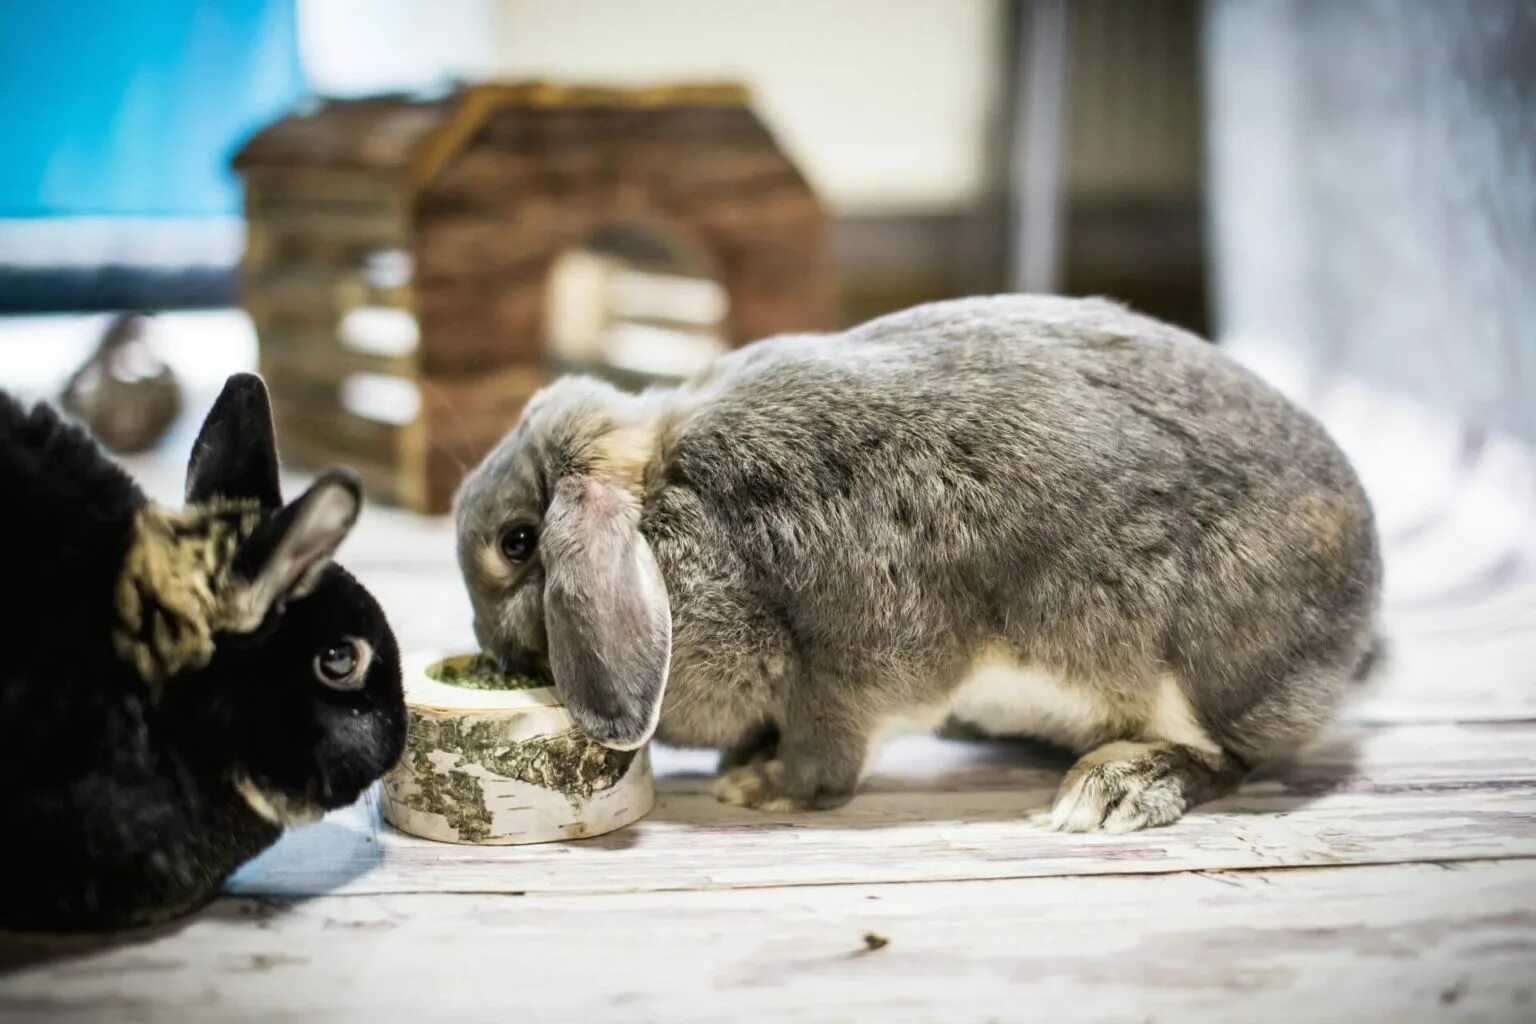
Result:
[285,557]
[606,614]
[236,451]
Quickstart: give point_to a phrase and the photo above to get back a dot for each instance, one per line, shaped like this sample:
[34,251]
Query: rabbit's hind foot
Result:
[1124,786]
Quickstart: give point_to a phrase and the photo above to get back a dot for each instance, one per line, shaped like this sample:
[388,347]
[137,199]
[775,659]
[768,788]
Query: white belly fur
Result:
[1004,698]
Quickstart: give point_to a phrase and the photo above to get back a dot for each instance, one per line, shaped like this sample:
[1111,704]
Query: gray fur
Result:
[843,522]
[605,604]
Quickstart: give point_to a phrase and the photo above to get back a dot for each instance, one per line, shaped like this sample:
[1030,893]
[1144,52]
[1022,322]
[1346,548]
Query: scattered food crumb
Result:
[874,941]
[1450,996]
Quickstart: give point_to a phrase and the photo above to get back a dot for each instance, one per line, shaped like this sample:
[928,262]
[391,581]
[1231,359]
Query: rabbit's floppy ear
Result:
[606,613]
[236,451]
[286,555]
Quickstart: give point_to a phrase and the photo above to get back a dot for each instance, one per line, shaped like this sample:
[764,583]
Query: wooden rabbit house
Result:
[401,253]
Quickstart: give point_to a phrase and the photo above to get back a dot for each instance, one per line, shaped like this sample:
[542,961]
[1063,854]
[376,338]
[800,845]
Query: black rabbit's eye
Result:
[517,543]
[343,665]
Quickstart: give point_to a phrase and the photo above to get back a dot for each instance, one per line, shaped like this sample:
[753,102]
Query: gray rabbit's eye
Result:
[343,665]
[516,543]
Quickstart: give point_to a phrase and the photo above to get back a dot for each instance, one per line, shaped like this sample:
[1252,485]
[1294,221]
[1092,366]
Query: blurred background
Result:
[917,121]
[1342,194]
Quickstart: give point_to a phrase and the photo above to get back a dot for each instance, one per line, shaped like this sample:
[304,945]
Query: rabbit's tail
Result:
[1373,663]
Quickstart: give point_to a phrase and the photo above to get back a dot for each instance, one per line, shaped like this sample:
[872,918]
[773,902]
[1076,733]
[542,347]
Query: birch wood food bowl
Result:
[495,761]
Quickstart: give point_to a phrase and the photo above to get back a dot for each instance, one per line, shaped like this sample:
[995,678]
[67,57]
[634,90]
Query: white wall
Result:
[1373,194]
[883,102]
[357,47]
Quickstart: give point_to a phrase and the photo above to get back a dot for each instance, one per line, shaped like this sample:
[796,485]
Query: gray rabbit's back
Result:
[1047,515]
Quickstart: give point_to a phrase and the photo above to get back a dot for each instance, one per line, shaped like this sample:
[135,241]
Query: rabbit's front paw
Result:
[1125,786]
[770,786]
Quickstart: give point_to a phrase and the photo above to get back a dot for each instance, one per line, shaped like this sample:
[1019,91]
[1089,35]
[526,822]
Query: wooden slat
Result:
[331,426]
[483,401]
[286,187]
[300,448]
[315,357]
[379,224]
[277,323]
[334,288]
[1400,943]
[471,325]
[501,180]
[937,811]
[500,247]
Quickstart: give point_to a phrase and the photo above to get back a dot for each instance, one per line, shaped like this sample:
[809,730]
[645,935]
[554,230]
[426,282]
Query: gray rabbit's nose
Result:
[524,665]
[512,660]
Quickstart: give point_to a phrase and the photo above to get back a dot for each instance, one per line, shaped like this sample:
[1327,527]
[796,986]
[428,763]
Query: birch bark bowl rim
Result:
[505,766]
[426,691]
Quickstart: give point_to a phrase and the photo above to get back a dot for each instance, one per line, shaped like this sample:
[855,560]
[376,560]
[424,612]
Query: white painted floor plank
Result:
[1398,943]
[937,811]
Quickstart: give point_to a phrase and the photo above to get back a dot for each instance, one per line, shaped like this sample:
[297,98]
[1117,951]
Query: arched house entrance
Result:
[635,304]
[417,268]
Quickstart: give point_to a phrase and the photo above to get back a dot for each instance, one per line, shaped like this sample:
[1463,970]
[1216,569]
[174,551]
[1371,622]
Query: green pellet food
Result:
[478,672]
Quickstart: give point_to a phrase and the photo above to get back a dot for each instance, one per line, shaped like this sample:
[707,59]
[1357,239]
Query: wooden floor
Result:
[1388,874]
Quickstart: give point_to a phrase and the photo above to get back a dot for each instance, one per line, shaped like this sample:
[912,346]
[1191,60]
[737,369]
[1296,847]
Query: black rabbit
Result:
[176,686]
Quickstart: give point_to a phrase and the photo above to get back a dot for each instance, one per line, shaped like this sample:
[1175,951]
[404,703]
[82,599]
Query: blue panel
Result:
[125,107]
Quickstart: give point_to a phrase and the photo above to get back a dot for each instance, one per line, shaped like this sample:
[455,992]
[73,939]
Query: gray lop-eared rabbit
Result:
[1033,515]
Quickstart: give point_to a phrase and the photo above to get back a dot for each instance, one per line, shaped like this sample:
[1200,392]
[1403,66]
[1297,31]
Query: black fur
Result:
[118,793]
